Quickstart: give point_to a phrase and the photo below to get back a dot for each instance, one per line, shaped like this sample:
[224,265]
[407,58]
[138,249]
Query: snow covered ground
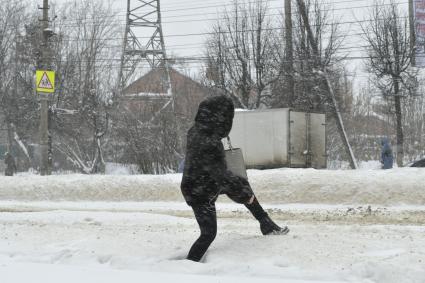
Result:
[346,226]
[281,186]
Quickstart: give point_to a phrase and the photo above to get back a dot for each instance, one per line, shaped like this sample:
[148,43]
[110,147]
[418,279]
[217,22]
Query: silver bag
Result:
[235,161]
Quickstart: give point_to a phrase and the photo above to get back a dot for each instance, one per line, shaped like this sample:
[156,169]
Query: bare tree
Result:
[84,64]
[389,59]
[153,147]
[157,145]
[244,54]
[17,102]
[9,27]
[317,40]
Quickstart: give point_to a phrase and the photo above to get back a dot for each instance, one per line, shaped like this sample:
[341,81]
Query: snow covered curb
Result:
[342,214]
[281,186]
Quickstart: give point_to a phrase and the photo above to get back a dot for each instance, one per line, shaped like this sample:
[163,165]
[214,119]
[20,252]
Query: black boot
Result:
[268,227]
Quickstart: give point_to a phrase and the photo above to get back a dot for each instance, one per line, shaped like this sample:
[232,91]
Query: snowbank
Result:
[403,186]
[36,273]
[120,169]
[70,247]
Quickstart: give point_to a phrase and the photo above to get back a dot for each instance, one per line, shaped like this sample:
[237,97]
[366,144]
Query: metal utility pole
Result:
[143,41]
[339,121]
[289,53]
[44,97]
[412,33]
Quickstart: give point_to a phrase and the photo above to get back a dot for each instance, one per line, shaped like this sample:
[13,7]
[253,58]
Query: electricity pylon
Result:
[143,42]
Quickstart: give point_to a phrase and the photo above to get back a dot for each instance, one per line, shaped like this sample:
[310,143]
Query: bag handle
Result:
[229,143]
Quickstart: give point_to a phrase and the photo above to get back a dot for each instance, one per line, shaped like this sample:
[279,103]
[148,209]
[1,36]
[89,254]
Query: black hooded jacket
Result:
[205,173]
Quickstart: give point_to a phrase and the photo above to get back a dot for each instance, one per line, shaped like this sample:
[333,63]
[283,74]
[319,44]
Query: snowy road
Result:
[346,226]
[97,246]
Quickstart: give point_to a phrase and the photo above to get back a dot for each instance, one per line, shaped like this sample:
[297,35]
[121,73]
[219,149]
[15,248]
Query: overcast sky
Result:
[184,21]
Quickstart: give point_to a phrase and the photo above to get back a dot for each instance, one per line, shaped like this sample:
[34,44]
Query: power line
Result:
[334,9]
[346,47]
[223,18]
[276,29]
[201,58]
[189,3]
[201,34]
[215,13]
[200,45]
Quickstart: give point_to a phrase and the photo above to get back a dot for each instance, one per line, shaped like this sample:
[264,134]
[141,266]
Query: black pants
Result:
[206,217]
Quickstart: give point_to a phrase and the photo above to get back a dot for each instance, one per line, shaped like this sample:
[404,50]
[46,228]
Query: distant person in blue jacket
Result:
[181,166]
[387,158]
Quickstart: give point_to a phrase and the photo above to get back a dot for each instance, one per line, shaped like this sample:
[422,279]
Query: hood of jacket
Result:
[385,142]
[215,116]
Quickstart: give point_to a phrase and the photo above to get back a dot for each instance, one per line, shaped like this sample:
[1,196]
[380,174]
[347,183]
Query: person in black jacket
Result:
[10,164]
[205,174]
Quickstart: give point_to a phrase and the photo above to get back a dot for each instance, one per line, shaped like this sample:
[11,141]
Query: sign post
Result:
[45,86]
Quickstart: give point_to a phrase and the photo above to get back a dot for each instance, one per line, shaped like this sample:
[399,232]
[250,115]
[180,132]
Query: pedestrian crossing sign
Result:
[45,81]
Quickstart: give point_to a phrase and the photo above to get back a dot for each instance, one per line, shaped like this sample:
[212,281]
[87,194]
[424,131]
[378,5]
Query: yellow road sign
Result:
[45,81]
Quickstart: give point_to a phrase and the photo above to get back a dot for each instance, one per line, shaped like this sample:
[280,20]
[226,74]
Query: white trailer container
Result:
[275,138]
